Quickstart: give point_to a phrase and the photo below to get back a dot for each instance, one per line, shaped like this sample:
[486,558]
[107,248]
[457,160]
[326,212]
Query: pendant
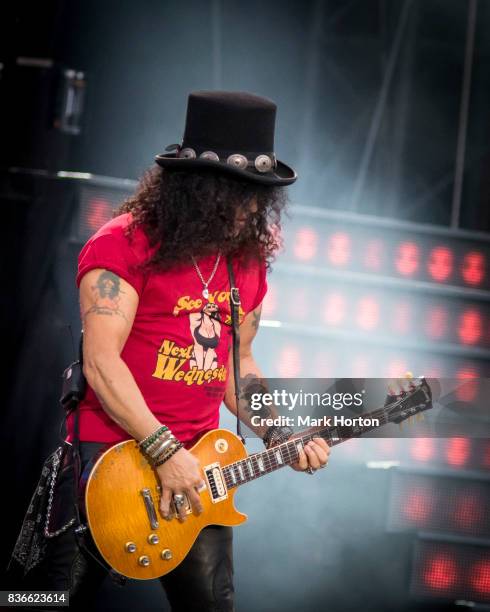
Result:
[205,292]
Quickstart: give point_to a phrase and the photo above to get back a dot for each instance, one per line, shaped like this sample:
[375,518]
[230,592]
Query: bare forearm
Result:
[120,396]
[250,375]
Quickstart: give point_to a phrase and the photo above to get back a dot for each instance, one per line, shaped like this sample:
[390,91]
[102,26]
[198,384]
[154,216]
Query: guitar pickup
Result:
[216,482]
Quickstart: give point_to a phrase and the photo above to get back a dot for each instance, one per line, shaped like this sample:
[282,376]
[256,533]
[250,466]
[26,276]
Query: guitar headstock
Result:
[415,399]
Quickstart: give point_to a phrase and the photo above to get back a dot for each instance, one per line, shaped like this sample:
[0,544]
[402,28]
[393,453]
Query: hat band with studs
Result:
[262,162]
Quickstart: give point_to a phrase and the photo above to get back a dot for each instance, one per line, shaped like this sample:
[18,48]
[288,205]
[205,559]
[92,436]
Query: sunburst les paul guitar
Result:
[122,492]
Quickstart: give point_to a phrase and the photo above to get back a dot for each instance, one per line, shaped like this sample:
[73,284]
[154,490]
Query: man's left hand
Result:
[314,456]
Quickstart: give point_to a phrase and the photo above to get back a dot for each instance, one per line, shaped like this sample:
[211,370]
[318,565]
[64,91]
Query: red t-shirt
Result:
[177,354]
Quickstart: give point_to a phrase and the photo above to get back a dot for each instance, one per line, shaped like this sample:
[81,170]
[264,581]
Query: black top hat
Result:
[232,131]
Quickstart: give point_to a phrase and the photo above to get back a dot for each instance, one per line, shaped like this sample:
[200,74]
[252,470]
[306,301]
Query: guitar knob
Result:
[130,547]
[166,554]
[144,560]
[153,538]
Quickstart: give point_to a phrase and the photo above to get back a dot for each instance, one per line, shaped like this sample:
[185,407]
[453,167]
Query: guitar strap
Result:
[235,314]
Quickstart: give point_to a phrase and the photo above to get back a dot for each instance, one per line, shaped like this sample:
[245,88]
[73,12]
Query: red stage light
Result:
[468,510]
[436,322]
[99,211]
[368,313]
[401,316]
[374,255]
[458,451]
[305,244]
[339,249]
[422,449]
[289,362]
[479,576]
[334,308]
[473,268]
[468,390]
[440,264]
[440,572]
[470,326]
[418,505]
[397,368]
[407,258]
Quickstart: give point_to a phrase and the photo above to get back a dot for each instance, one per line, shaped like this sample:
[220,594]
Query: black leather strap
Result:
[235,330]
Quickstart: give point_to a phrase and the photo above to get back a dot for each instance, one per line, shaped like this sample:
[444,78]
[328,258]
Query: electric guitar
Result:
[122,492]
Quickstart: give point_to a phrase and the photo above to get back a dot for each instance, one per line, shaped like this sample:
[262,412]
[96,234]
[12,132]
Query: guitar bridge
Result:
[216,482]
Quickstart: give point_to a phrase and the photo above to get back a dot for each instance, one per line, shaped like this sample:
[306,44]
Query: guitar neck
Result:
[267,461]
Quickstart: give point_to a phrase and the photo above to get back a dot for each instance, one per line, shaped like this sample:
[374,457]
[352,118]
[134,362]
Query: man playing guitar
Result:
[211,201]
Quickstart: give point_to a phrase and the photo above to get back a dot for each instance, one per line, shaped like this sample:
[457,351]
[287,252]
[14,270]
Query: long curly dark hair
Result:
[193,213]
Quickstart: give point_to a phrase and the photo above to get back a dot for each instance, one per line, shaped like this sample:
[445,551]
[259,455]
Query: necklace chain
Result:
[206,283]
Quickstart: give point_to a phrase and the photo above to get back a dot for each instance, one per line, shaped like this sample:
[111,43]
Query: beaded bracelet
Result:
[152,437]
[177,447]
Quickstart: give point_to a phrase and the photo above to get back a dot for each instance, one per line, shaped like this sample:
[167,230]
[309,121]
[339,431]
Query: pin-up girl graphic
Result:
[206,333]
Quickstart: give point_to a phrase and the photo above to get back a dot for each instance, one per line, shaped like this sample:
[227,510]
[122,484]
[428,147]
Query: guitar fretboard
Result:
[258,464]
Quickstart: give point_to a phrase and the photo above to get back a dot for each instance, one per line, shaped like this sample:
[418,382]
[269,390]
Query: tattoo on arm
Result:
[106,295]
[256,317]
[253,384]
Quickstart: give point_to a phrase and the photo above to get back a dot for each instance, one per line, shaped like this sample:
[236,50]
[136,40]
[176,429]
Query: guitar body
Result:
[121,490]
[122,496]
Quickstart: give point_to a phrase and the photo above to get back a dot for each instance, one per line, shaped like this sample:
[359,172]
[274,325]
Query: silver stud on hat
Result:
[237,160]
[209,155]
[263,163]
[187,153]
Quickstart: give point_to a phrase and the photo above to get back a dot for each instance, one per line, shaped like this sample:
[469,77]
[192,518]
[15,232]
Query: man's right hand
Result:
[180,474]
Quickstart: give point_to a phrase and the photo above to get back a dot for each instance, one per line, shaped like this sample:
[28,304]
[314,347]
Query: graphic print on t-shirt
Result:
[198,362]
[205,329]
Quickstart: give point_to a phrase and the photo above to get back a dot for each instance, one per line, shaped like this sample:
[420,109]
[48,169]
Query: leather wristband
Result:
[276,435]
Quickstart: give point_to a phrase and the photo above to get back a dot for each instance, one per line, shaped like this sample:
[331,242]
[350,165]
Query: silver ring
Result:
[179,500]
[237,160]
[187,153]
[310,470]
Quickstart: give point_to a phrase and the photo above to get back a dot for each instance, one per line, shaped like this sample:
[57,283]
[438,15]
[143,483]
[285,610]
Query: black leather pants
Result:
[203,582]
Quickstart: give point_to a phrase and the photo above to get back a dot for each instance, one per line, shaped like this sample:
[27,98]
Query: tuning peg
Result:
[408,375]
